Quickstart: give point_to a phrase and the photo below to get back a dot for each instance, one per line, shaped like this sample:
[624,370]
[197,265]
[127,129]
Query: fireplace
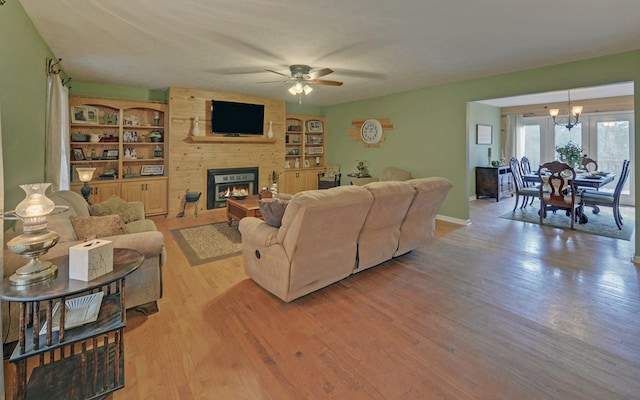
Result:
[222,183]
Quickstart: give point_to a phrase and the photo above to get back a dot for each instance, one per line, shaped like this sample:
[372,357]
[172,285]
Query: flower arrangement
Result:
[570,153]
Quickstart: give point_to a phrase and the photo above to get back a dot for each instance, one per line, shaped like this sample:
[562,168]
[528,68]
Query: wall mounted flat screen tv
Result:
[234,119]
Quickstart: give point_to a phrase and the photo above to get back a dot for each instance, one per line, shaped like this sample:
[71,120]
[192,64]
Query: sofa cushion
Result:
[96,227]
[115,205]
[272,210]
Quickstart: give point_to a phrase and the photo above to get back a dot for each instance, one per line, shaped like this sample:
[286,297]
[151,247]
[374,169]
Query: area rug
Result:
[202,244]
[601,224]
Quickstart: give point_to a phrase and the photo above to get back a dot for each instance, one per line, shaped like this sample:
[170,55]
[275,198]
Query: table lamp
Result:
[35,240]
[85,174]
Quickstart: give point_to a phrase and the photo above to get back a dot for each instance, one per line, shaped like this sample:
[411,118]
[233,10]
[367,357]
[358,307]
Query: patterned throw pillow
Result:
[115,205]
[272,211]
[87,228]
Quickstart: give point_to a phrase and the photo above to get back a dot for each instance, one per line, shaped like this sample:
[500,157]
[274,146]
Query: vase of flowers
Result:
[570,154]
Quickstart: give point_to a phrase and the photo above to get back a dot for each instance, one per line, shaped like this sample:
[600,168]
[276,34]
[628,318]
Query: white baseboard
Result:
[456,221]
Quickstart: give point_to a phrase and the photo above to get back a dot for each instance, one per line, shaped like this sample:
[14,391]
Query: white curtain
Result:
[57,167]
[514,143]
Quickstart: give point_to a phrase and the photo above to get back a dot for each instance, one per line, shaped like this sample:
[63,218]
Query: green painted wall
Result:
[118,92]
[431,131]
[483,114]
[23,80]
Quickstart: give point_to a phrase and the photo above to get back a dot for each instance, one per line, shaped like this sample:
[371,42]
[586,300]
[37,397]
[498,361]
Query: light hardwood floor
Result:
[497,309]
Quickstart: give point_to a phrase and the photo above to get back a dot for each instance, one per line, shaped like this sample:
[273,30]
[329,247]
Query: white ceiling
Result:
[376,47]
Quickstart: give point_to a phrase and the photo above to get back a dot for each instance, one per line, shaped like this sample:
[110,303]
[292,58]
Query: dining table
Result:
[582,180]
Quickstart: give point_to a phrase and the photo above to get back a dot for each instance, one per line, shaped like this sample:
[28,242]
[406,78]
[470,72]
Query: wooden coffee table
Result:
[238,209]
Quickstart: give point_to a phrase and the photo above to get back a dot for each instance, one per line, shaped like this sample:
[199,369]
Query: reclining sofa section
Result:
[327,235]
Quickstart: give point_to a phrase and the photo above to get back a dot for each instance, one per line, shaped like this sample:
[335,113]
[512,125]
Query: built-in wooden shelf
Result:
[232,139]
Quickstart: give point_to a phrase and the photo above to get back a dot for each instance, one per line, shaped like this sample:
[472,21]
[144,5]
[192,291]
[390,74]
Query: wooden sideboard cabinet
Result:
[494,182]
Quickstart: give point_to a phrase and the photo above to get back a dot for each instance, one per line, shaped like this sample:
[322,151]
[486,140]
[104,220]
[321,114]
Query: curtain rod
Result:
[53,67]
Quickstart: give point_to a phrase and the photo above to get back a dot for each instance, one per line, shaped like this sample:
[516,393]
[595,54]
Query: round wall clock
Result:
[371,131]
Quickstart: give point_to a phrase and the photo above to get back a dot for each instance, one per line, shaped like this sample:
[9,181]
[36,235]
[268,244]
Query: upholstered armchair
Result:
[330,178]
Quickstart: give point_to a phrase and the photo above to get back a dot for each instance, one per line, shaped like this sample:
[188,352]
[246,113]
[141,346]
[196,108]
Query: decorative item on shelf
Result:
[157,152]
[94,137]
[156,118]
[155,136]
[495,163]
[35,239]
[131,120]
[287,164]
[363,171]
[317,161]
[573,115]
[307,164]
[196,129]
[270,131]
[503,160]
[570,153]
[489,156]
[108,174]
[94,156]
[85,175]
[296,163]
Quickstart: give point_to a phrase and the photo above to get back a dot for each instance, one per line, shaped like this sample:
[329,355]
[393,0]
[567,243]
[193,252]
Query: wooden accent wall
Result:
[189,159]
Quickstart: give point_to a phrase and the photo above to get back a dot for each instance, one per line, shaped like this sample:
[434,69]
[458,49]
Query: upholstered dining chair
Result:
[593,198]
[330,178]
[589,164]
[557,191]
[521,188]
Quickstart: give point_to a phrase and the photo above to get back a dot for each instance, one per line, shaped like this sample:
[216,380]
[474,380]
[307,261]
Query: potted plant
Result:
[570,154]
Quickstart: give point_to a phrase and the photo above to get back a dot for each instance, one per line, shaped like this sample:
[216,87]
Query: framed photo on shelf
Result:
[78,154]
[484,134]
[315,150]
[84,115]
[152,170]
[314,126]
[110,154]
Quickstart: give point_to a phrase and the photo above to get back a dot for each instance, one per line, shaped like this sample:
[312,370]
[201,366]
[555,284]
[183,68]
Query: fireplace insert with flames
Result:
[228,182]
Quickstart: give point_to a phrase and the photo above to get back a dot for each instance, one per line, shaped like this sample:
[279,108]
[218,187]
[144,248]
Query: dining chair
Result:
[525,168]
[593,198]
[589,164]
[557,191]
[525,165]
[521,188]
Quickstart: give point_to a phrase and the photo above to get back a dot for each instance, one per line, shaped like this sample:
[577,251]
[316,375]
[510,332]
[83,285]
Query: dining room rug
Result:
[599,224]
[206,243]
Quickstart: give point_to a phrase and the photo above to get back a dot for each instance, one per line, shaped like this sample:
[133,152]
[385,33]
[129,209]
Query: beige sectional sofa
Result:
[144,285]
[327,235]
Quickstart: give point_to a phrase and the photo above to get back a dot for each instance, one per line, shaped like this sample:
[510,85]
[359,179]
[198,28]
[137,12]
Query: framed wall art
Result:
[484,134]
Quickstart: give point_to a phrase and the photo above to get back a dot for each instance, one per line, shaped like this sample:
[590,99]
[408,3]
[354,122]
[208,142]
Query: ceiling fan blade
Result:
[276,72]
[325,82]
[286,81]
[320,72]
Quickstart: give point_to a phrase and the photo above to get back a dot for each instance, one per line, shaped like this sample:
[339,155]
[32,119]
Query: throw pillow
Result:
[115,205]
[272,211]
[87,228]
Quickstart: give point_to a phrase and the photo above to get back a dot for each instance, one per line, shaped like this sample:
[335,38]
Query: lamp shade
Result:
[36,203]
[85,174]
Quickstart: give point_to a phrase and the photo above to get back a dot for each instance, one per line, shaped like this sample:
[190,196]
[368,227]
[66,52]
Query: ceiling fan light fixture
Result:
[307,89]
[292,90]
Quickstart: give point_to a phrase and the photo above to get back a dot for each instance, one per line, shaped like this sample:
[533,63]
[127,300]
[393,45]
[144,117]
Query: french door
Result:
[607,138]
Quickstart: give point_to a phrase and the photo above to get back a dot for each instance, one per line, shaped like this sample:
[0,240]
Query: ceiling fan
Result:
[301,76]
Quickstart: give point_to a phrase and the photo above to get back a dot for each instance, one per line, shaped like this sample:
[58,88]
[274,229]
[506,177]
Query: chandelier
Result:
[573,114]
